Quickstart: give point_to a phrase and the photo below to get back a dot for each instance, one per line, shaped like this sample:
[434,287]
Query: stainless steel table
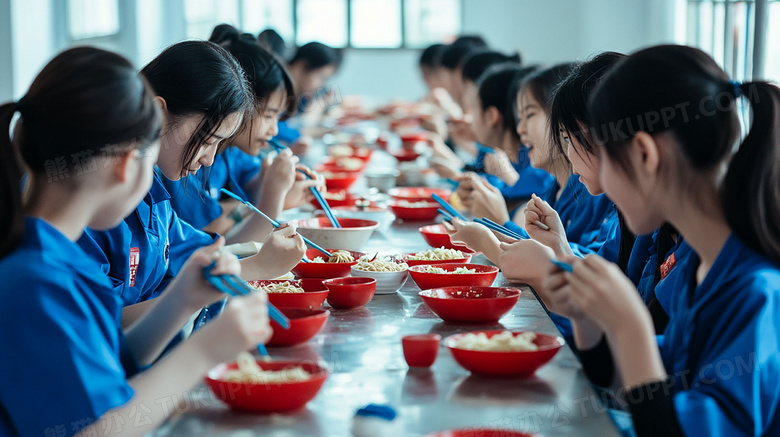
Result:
[363,349]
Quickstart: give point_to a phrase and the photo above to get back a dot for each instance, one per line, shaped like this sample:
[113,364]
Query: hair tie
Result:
[736,85]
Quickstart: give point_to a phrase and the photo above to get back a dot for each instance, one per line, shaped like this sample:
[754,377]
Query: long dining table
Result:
[362,349]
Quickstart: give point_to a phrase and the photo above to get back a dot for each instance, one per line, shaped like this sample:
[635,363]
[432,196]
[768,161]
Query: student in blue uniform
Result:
[493,124]
[716,370]
[204,96]
[89,136]
[585,218]
[197,198]
[312,65]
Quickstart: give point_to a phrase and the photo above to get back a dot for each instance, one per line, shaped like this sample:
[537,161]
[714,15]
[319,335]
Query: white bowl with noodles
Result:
[352,235]
[386,282]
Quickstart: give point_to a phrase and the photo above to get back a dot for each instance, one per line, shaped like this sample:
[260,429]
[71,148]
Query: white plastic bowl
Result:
[352,235]
[386,282]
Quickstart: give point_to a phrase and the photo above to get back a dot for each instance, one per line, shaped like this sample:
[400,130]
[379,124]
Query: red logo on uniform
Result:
[135,259]
[667,266]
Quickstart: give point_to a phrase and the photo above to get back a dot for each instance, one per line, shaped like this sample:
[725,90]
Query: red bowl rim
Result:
[322,373]
[557,341]
[424,294]
[359,280]
[490,271]
[313,313]
[295,281]
[394,192]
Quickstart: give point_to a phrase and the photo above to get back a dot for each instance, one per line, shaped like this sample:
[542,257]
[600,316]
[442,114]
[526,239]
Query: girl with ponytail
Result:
[87,140]
[197,198]
[671,152]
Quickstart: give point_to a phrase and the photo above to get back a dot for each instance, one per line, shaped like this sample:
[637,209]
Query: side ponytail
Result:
[751,189]
[12,216]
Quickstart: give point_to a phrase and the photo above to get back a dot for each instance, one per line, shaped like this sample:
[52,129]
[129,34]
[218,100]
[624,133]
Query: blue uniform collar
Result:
[156,194]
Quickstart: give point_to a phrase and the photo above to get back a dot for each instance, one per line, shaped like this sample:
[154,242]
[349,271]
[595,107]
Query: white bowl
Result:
[384,216]
[386,282]
[352,235]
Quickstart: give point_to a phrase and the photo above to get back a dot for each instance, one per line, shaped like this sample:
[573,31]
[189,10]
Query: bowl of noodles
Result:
[304,294]
[390,275]
[251,385]
[440,255]
[418,194]
[451,274]
[503,353]
[467,304]
[352,234]
[419,210]
[322,267]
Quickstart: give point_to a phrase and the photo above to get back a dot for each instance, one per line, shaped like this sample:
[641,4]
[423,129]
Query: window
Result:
[92,18]
[726,30]
[385,24]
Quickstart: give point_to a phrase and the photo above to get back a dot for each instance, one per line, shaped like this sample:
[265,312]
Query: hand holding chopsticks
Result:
[232,285]
[273,222]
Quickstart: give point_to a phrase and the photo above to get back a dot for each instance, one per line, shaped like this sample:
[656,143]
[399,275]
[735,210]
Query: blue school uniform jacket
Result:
[64,357]
[722,345]
[147,249]
[196,197]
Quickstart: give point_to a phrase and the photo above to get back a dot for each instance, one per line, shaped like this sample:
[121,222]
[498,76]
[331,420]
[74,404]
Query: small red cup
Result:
[420,350]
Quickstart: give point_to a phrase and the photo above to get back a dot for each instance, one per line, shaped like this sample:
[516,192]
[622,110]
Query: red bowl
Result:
[304,325]
[420,350]
[340,180]
[417,194]
[483,278]
[313,296]
[491,363]
[465,304]
[348,199]
[436,236]
[411,140]
[470,432]
[405,155]
[336,168]
[324,270]
[267,398]
[346,293]
[412,262]
[415,212]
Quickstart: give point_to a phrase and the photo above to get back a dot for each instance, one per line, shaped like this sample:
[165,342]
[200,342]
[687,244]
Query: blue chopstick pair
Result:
[447,207]
[566,267]
[493,226]
[323,203]
[274,223]
[234,286]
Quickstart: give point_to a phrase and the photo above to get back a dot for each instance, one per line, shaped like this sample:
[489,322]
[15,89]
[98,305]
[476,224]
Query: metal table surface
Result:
[363,349]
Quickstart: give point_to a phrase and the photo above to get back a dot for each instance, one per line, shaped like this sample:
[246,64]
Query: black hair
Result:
[493,89]
[475,40]
[316,55]
[542,84]
[199,77]
[452,56]
[265,71]
[478,61]
[697,104]
[270,40]
[569,108]
[84,101]
[431,56]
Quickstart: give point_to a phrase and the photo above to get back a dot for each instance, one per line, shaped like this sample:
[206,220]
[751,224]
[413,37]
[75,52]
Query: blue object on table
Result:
[323,203]
[380,411]
[566,267]
[447,207]
[274,223]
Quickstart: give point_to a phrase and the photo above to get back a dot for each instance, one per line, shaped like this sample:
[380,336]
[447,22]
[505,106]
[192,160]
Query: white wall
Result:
[545,31]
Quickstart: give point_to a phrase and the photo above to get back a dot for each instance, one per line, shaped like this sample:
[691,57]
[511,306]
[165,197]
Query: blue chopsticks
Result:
[278,147]
[274,222]
[323,203]
[566,267]
[447,207]
[490,224]
[232,285]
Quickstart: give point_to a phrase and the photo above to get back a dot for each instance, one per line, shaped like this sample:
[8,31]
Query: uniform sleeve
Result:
[247,168]
[735,386]
[286,133]
[64,371]
[97,244]
[191,201]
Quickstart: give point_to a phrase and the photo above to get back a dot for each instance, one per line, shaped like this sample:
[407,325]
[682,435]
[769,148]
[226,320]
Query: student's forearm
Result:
[636,353]
[257,228]
[157,389]
[131,313]
[151,333]
[587,333]
[492,250]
